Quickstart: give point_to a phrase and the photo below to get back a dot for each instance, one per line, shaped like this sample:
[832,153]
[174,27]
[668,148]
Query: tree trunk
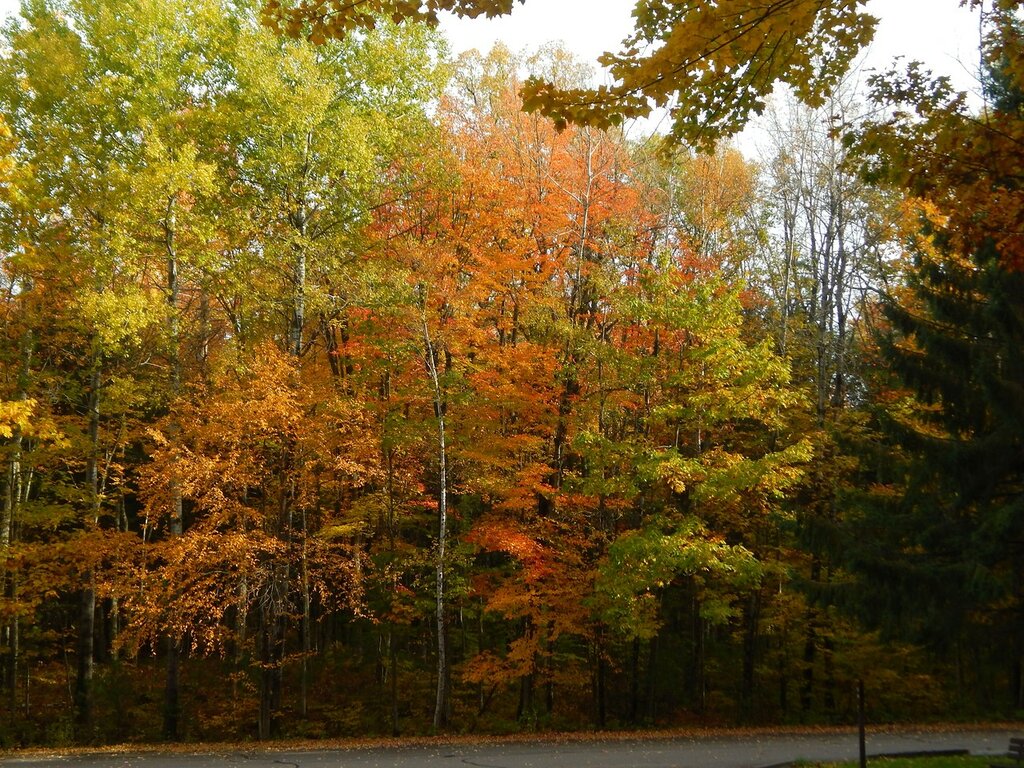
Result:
[549,682]
[8,514]
[389,463]
[442,703]
[16,492]
[393,674]
[15,644]
[601,685]
[783,683]
[299,305]
[828,662]
[240,634]
[652,681]
[306,625]
[172,689]
[299,219]
[699,669]
[810,645]
[172,694]
[752,615]
[526,712]
[87,598]
[634,681]
[271,659]
[83,681]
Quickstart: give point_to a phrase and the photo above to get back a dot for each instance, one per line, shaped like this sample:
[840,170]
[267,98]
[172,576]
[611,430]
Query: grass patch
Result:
[957,761]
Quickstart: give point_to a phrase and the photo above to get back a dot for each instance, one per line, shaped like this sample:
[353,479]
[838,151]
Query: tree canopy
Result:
[711,65]
[340,395]
[936,146]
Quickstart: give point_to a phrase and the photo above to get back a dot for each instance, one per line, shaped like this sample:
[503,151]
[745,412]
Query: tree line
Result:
[341,396]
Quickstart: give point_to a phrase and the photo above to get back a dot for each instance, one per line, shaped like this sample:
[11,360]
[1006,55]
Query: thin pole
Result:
[860,724]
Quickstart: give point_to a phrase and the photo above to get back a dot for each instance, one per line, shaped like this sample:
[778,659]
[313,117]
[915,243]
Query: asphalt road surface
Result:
[716,752]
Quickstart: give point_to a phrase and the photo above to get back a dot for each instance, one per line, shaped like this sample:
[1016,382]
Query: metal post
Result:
[860,724]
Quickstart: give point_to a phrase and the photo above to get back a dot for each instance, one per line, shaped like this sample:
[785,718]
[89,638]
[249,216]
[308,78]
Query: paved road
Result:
[717,752]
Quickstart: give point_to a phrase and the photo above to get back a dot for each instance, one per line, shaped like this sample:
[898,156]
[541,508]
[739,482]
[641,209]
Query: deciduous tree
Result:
[711,66]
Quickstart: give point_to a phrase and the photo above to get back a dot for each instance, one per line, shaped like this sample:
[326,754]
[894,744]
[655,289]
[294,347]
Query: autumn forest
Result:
[341,395]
